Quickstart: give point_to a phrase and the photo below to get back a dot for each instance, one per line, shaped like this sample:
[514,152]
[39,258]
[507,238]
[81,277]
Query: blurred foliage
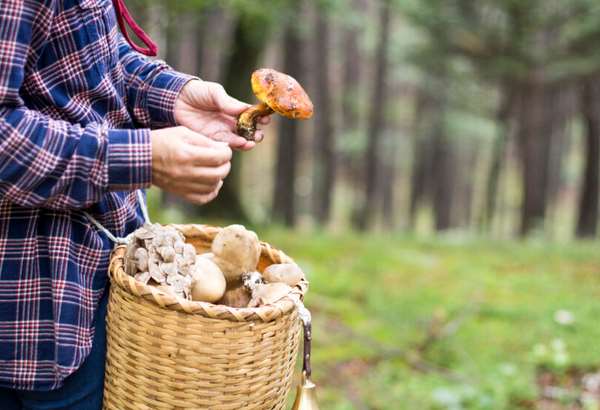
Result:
[509,37]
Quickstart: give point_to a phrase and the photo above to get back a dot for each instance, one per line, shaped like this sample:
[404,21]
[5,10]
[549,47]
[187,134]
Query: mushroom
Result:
[278,93]
[251,280]
[141,259]
[208,282]
[158,255]
[236,251]
[236,296]
[288,273]
[269,293]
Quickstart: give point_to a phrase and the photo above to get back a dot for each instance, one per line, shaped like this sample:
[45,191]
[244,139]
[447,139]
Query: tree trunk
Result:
[444,180]
[216,28]
[503,119]
[284,199]
[388,185]
[389,168]
[538,123]
[189,44]
[376,120]
[422,157]
[352,102]
[351,75]
[561,110]
[587,221]
[172,35]
[465,184]
[443,165]
[324,143]
[246,48]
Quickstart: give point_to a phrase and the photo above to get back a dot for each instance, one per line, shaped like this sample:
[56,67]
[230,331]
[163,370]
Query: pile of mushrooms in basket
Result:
[158,255]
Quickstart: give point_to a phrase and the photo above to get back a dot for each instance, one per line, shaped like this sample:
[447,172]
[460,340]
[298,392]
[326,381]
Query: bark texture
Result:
[324,138]
[587,220]
[376,120]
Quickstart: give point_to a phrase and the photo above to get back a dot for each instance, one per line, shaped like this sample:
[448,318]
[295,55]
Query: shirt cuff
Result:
[129,159]
[162,94]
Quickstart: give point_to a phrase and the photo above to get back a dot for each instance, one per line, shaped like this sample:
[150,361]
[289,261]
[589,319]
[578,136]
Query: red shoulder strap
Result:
[123,16]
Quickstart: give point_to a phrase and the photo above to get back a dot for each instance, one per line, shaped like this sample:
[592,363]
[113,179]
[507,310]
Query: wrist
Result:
[184,100]
[162,96]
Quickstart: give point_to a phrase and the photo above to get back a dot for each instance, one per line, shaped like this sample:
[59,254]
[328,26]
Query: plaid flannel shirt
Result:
[76,106]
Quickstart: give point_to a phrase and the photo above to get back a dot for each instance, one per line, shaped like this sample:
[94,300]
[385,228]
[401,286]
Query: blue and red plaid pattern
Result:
[76,106]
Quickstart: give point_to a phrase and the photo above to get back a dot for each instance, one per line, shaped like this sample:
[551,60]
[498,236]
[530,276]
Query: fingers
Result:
[200,140]
[207,175]
[259,135]
[189,164]
[213,156]
[233,140]
[247,146]
[202,199]
[193,187]
[224,102]
[238,143]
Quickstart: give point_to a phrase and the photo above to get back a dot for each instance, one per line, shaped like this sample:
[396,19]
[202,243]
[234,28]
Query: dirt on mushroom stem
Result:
[246,126]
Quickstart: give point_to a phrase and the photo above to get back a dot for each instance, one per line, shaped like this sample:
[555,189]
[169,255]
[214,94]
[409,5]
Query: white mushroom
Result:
[167,253]
[236,250]
[235,296]
[208,281]
[288,273]
[189,254]
[269,293]
[143,277]
[141,259]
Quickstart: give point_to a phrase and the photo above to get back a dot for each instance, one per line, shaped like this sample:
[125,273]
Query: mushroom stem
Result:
[246,124]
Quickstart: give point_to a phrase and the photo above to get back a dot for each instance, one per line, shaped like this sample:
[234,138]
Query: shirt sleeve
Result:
[152,87]
[51,163]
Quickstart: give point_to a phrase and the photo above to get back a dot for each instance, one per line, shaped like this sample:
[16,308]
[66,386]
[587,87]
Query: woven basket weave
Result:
[169,353]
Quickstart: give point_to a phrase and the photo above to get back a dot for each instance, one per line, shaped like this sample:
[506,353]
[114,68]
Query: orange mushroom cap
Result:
[282,93]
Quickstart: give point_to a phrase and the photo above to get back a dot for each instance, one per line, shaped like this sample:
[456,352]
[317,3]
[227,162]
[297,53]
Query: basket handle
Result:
[115,239]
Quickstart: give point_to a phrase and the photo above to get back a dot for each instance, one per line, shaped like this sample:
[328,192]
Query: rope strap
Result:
[113,238]
[123,17]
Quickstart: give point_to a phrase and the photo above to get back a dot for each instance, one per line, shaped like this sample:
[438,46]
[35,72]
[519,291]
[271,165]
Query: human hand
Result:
[205,107]
[189,164]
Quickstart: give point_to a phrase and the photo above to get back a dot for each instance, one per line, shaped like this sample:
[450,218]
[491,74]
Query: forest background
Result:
[443,200]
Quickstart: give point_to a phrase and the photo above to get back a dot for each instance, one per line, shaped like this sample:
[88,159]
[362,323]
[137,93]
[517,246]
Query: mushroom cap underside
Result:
[282,93]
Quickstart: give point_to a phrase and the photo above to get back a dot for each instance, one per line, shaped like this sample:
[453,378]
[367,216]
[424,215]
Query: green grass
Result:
[486,304]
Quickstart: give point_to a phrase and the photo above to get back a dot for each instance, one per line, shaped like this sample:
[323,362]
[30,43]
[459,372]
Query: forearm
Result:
[152,87]
[53,164]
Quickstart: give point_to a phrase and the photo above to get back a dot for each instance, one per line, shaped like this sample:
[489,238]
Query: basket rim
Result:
[206,233]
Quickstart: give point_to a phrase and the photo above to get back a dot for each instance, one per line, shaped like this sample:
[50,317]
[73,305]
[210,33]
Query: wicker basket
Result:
[168,353]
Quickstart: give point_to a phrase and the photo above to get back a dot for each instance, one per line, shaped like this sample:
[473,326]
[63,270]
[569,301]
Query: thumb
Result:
[226,103]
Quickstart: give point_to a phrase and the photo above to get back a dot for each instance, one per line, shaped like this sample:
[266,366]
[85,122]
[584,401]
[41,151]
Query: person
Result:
[85,121]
